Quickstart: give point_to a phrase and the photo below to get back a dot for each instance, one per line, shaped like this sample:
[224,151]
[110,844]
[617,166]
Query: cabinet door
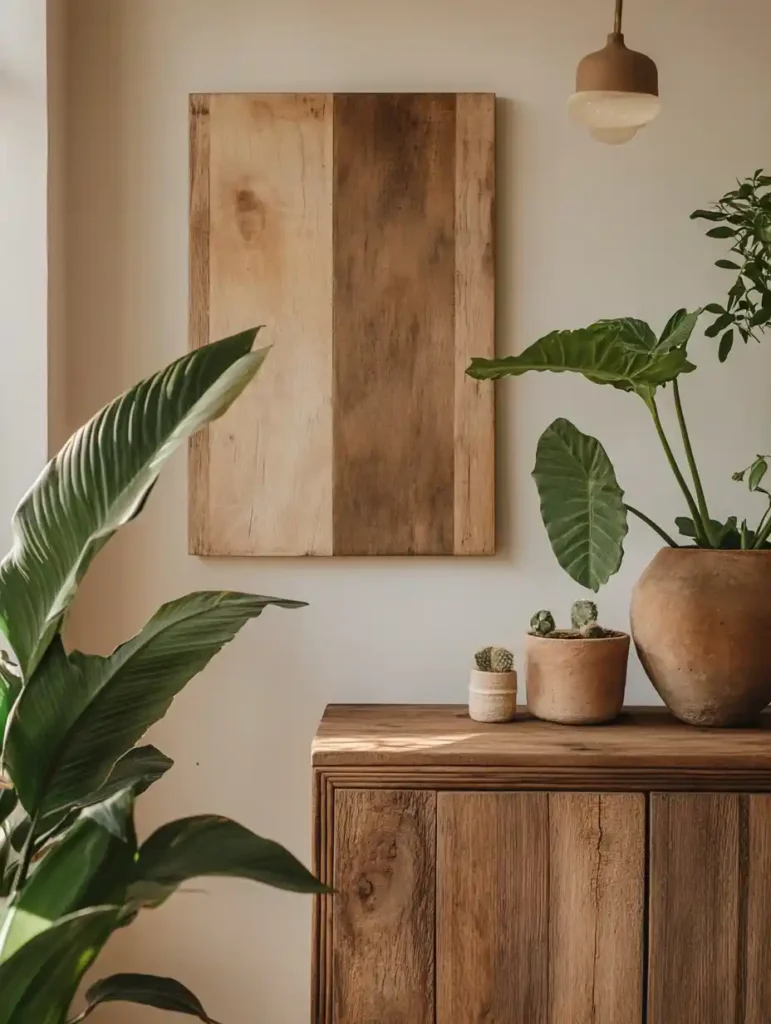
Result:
[710,923]
[383,909]
[539,908]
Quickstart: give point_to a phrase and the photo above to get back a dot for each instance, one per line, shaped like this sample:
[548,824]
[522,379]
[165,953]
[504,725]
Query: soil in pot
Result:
[701,622]
[576,680]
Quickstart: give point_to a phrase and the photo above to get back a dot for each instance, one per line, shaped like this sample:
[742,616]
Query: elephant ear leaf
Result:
[65,735]
[101,479]
[582,505]
[209,846]
[144,990]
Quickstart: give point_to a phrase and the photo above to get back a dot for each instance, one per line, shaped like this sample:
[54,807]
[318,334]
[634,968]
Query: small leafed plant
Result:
[494,659]
[71,869]
[583,620]
[582,503]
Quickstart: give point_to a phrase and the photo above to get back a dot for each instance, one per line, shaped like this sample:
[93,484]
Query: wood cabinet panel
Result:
[540,908]
[710,888]
[383,916]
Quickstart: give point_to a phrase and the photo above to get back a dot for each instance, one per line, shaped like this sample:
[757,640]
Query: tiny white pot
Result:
[492,696]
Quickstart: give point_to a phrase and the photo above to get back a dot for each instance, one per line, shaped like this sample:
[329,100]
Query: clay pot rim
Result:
[565,641]
[715,552]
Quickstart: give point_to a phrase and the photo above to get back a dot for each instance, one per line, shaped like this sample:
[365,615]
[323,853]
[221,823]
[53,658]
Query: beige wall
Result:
[585,231]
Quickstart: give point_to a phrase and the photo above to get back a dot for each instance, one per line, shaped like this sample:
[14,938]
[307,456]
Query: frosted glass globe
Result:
[611,116]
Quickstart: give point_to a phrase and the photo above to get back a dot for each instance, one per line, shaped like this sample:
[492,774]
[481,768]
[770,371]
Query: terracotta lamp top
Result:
[615,68]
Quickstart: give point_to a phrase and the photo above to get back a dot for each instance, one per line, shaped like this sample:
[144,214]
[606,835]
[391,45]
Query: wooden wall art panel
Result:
[359,229]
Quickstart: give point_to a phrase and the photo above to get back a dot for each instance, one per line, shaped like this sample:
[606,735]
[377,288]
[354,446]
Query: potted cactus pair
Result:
[492,692]
[575,676]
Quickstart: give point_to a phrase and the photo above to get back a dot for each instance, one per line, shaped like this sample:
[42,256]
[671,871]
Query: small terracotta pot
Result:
[701,621]
[492,696]
[577,681]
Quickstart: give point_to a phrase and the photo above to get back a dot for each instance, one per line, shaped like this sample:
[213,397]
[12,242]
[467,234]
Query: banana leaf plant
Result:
[72,870]
[583,505]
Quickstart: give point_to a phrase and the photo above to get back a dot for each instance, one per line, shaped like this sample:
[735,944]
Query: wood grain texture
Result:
[596,897]
[394,265]
[474,477]
[492,908]
[359,228]
[442,735]
[265,482]
[757,895]
[539,908]
[695,926]
[384,913]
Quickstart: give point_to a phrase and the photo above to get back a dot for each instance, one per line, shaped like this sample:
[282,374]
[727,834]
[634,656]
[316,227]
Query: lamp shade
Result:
[617,92]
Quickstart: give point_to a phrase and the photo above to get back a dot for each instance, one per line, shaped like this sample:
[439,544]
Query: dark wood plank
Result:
[596,896]
[696,902]
[389,735]
[757,901]
[383,917]
[492,908]
[393,335]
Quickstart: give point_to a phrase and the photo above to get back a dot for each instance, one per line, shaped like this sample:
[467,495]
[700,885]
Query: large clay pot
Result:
[576,681]
[701,621]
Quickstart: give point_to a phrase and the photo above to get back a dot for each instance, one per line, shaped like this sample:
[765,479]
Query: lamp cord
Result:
[619,16]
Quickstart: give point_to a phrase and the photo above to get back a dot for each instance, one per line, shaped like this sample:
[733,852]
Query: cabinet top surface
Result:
[443,734]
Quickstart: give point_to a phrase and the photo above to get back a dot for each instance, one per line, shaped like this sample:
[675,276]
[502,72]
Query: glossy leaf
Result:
[144,990]
[10,688]
[208,846]
[582,505]
[758,470]
[93,855]
[101,479]
[623,353]
[39,981]
[726,344]
[678,330]
[79,714]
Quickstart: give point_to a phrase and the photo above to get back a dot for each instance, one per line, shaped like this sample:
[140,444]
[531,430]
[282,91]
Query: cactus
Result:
[501,660]
[542,623]
[483,659]
[494,659]
[583,614]
[593,632]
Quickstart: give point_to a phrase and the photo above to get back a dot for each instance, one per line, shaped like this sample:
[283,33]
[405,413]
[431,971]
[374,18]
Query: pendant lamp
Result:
[617,90]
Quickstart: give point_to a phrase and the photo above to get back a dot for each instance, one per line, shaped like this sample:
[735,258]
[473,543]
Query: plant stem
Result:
[654,526]
[701,536]
[764,530]
[700,496]
[26,856]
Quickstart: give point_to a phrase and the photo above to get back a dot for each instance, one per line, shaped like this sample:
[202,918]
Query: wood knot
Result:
[365,888]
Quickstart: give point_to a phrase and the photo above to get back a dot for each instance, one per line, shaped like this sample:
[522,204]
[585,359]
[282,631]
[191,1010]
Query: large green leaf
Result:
[582,505]
[145,990]
[38,982]
[101,479]
[623,353]
[10,688]
[678,330]
[90,866]
[207,846]
[79,714]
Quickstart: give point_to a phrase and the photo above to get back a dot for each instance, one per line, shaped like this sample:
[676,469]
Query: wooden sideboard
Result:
[532,873]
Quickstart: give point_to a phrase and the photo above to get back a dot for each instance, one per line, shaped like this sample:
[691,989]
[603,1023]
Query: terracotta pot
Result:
[492,696]
[701,622]
[576,681]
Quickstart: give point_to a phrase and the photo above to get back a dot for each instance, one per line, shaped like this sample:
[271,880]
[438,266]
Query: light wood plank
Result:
[492,908]
[474,477]
[394,265]
[268,490]
[596,895]
[198,451]
[383,917]
[444,735]
[695,909]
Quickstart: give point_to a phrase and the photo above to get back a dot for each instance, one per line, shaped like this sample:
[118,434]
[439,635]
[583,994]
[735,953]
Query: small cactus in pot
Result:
[581,679]
[493,686]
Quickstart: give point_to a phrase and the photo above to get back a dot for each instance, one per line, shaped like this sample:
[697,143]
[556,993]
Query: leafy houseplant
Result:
[583,505]
[71,868]
[575,676]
